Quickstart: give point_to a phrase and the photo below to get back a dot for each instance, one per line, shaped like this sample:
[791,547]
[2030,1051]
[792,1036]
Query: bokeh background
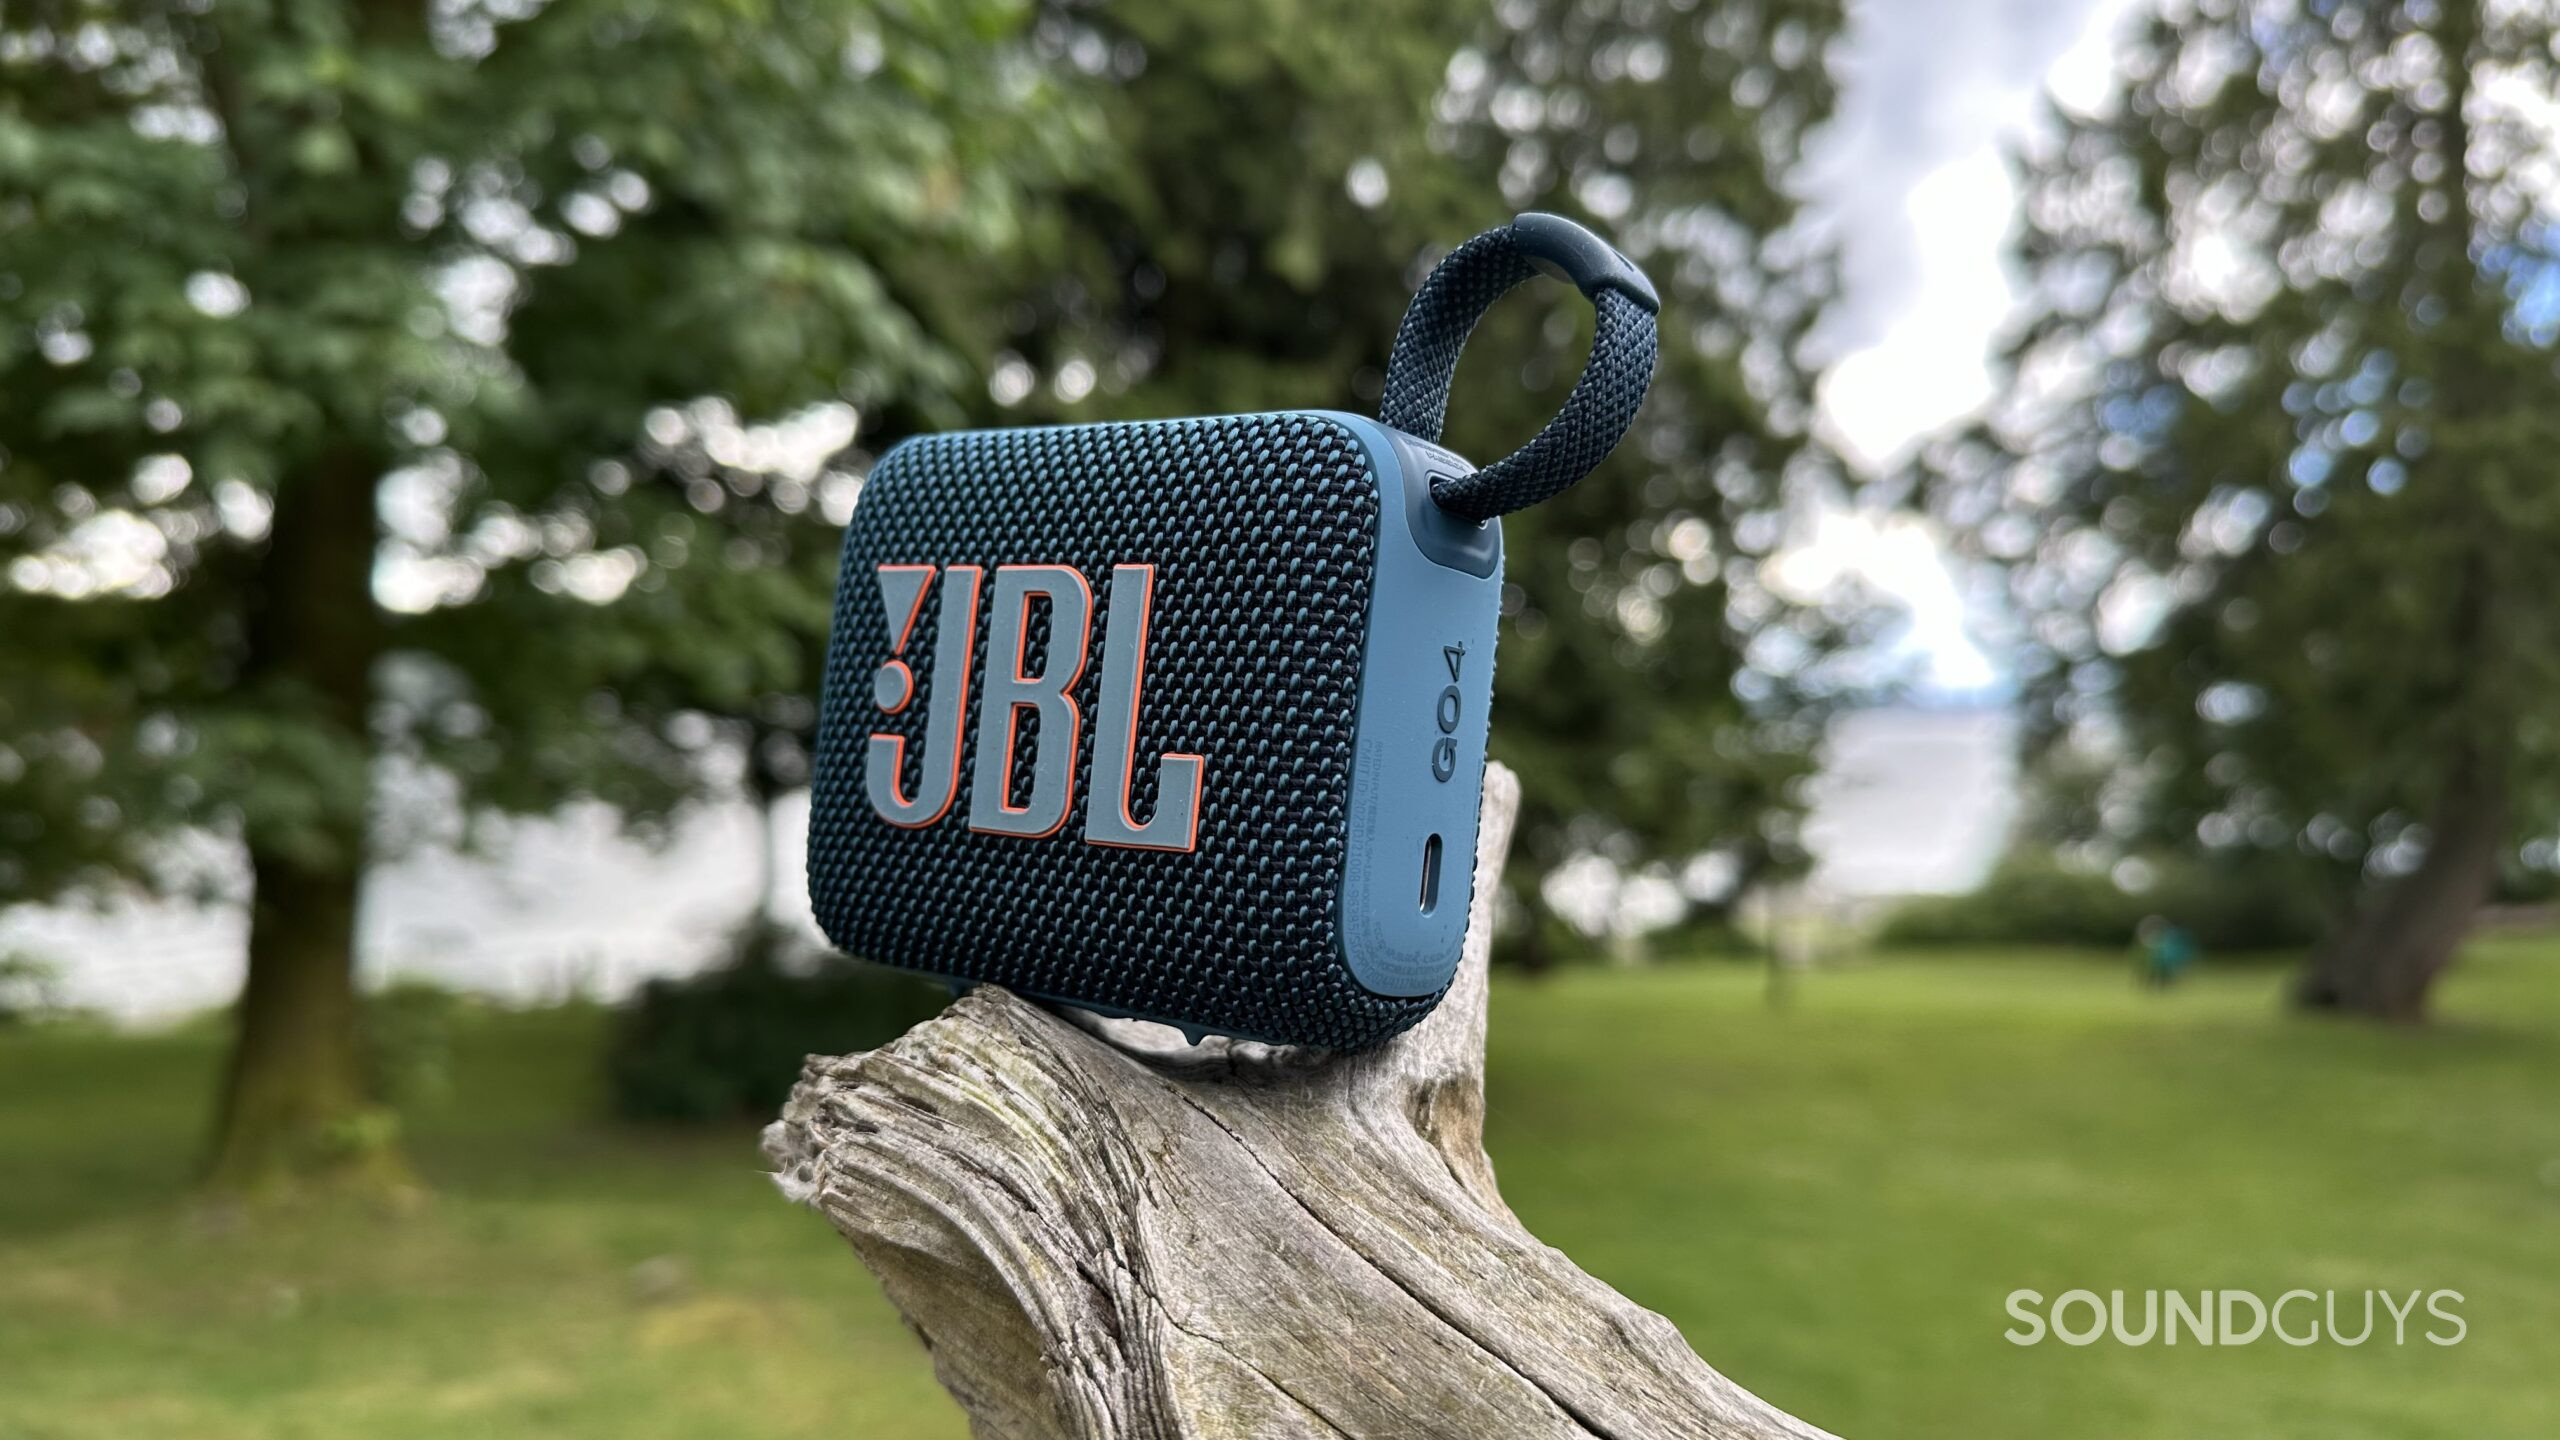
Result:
[2038,759]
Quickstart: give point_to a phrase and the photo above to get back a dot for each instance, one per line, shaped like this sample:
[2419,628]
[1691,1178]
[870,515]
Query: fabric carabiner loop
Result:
[1604,401]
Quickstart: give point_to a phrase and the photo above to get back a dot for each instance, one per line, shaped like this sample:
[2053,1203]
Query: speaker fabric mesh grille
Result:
[1262,529]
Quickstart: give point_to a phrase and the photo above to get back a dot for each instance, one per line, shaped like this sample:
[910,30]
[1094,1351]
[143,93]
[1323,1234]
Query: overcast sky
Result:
[1911,182]
[1911,185]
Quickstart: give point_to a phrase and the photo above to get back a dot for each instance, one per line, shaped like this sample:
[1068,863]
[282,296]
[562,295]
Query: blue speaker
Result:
[1186,719]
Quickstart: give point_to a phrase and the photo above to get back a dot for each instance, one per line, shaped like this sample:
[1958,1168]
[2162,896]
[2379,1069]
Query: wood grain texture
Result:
[1101,1231]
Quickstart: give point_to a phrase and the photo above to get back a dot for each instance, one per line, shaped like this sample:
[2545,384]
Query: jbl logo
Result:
[1009,693]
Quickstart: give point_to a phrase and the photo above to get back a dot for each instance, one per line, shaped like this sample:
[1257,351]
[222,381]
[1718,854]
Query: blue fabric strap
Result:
[1604,402]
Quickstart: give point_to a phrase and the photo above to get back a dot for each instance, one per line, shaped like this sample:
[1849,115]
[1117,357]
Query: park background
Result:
[2097,474]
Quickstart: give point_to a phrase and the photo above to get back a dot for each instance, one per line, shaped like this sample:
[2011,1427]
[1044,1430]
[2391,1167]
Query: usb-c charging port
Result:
[1430,874]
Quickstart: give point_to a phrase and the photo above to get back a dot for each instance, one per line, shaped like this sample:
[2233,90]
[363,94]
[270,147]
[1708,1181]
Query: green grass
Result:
[570,1278]
[1833,1201]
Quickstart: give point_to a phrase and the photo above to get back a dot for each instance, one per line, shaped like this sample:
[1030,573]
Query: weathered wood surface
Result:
[1100,1231]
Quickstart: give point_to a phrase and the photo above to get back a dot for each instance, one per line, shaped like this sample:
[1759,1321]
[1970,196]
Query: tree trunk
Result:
[295,1106]
[2384,964]
[1099,1231]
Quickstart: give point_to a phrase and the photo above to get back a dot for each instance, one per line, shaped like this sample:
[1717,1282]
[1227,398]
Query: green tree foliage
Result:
[417,387]
[444,391]
[2274,478]
[1285,173]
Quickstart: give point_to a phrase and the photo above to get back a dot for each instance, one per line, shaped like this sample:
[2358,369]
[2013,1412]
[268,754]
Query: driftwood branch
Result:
[1100,1231]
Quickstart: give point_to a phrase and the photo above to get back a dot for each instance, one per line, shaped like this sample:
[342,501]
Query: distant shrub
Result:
[27,988]
[1534,939]
[2027,900]
[1702,934]
[2244,904]
[2528,881]
[407,1027]
[729,1042]
[2249,902]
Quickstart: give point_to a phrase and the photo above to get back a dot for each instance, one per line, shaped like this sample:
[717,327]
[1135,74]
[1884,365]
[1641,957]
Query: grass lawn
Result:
[1833,1202]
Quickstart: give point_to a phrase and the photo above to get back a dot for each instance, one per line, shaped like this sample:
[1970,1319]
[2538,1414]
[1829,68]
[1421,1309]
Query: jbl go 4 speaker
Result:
[1185,719]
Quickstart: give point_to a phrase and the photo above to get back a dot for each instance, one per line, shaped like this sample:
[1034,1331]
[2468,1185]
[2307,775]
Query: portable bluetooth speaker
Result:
[1186,719]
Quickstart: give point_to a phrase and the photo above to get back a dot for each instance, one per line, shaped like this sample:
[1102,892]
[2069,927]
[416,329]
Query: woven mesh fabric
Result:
[1595,416]
[1459,290]
[1262,529]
